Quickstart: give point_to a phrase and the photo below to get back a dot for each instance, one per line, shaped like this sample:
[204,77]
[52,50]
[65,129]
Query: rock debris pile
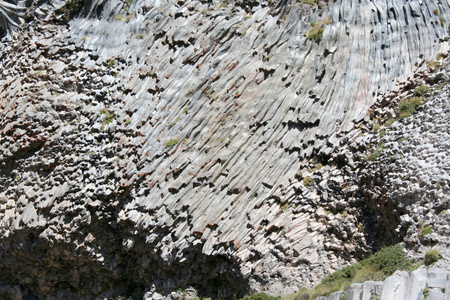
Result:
[148,146]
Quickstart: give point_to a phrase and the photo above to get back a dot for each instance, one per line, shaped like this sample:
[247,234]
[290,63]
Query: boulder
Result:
[396,286]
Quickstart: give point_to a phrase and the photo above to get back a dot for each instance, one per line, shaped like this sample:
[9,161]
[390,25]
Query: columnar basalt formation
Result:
[156,145]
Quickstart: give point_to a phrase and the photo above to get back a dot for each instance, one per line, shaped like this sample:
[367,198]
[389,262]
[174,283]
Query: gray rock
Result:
[371,288]
[418,283]
[355,291]
[436,294]
[336,295]
[396,286]
[437,278]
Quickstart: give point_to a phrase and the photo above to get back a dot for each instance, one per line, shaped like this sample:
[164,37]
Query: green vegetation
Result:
[189,92]
[317,167]
[223,4]
[129,17]
[441,56]
[308,181]
[374,155]
[111,62]
[390,122]
[408,106]
[311,2]
[129,3]
[376,127]
[432,64]
[172,142]
[71,9]
[377,267]
[109,116]
[425,230]
[260,296]
[431,256]
[421,90]
[316,31]
[119,18]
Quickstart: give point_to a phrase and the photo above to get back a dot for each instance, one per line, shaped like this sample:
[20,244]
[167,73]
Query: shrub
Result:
[426,230]
[260,296]
[389,259]
[431,256]
[421,90]
[408,106]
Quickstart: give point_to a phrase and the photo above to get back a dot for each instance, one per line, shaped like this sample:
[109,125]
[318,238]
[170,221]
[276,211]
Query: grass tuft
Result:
[316,31]
[172,142]
[431,256]
[408,106]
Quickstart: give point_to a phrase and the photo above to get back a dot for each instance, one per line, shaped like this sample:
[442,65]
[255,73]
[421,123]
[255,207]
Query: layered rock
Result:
[155,145]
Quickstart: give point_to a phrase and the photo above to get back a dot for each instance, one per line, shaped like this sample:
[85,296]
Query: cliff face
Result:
[165,144]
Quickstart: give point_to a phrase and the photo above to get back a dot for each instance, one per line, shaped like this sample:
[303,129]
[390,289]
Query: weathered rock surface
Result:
[155,145]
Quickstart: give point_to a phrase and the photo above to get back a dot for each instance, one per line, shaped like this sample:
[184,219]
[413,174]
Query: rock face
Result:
[148,146]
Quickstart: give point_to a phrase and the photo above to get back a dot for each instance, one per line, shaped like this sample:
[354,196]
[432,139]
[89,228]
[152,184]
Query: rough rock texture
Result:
[153,145]
[10,17]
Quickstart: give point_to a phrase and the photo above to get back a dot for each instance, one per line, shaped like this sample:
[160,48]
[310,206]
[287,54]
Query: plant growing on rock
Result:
[109,116]
[172,142]
[260,296]
[431,256]
[71,9]
[408,106]
[316,31]
[308,181]
[421,90]
[111,62]
[425,230]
